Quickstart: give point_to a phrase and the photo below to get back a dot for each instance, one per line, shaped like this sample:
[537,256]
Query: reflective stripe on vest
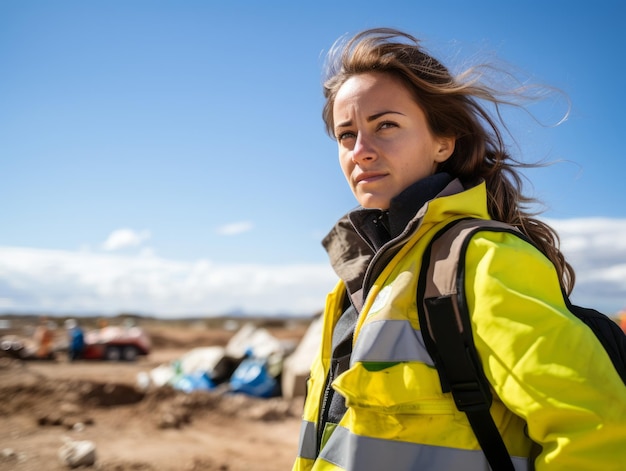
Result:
[308,440]
[358,453]
[390,341]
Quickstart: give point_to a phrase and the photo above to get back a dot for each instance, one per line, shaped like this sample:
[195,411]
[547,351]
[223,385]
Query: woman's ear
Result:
[445,149]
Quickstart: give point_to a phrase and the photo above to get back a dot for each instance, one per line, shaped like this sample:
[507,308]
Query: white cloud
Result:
[596,248]
[105,283]
[235,228]
[125,238]
[61,281]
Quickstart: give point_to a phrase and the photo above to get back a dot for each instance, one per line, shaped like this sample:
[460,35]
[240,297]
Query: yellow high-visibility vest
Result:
[552,381]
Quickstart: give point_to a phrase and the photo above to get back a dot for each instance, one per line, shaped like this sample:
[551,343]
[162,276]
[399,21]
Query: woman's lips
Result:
[369,177]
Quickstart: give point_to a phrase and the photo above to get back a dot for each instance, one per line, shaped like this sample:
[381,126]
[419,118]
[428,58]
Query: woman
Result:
[418,150]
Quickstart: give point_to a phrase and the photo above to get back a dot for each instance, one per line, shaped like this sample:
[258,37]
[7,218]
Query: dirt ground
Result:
[45,402]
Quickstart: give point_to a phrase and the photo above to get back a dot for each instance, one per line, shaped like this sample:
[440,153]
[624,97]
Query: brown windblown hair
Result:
[452,105]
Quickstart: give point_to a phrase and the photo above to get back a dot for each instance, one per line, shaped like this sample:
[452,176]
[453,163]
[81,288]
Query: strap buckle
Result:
[470,397]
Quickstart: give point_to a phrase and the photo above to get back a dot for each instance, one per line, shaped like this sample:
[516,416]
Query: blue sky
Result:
[169,158]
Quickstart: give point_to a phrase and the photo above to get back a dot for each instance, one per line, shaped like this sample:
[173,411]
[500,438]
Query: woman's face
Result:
[384,141]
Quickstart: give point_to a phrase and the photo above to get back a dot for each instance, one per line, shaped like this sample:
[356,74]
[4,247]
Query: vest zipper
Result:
[324,409]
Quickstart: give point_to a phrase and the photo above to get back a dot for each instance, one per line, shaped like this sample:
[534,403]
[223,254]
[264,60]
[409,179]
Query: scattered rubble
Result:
[41,402]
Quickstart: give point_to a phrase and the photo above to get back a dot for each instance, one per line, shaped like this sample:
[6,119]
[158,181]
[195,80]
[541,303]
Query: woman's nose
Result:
[363,149]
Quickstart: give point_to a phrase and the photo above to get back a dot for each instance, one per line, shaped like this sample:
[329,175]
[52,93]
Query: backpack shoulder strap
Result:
[446,329]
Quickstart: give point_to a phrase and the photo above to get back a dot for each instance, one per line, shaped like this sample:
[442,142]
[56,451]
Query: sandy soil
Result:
[42,403]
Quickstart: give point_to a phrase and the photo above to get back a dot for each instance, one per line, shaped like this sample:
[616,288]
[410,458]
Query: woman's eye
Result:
[387,125]
[345,135]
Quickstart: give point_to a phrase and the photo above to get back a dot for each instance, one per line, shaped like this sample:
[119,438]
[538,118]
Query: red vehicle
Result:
[116,344]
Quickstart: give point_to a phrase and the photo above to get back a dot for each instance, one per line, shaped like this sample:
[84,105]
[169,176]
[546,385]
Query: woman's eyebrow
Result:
[369,119]
[375,116]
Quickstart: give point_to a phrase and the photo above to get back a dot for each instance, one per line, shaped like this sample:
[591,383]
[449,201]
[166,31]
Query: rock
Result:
[8,453]
[77,453]
[78,427]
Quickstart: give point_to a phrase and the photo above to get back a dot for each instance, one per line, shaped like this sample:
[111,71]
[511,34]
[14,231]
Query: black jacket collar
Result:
[377,227]
[357,236]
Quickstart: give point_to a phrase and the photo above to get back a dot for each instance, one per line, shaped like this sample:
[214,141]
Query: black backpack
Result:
[446,328]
